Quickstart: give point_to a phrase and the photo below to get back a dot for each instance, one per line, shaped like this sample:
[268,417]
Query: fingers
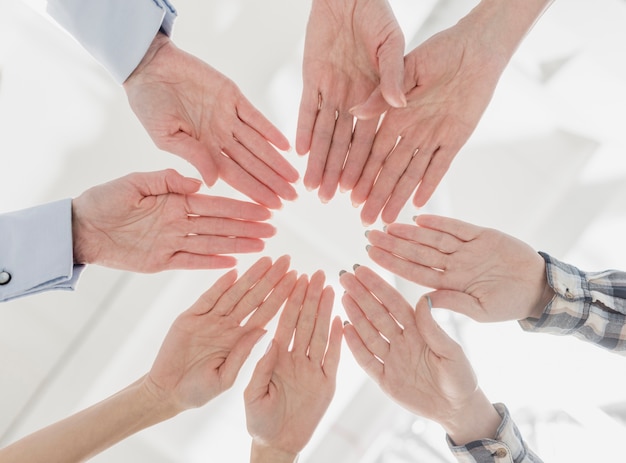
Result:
[322,137]
[237,356]
[371,338]
[188,261]
[217,206]
[208,300]
[462,230]
[366,360]
[333,351]
[319,338]
[373,107]
[309,106]
[379,302]
[260,290]
[336,156]
[231,296]
[437,168]
[268,309]
[248,114]
[360,147]
[291,312]
[308,314]
[224,227]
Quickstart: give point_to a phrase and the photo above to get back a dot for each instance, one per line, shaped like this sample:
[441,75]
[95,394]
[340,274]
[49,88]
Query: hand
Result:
[497,277]
[149,222]
[449,81]
[351,47]
[412,359]
[207,344]
[290,390]
[190,109]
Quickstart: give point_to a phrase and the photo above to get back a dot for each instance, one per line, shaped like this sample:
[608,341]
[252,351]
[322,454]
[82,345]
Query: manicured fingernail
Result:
[355,266]
[341,272]
[346,322]
[414,218]
[367,232]
[368,247]
[430,303]
[384,228]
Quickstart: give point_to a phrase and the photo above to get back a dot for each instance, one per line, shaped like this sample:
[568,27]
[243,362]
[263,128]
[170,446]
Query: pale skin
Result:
[198,360]
[413,360]
[149,222]
[481,272]
[449,81]
[351,47]
[292,387]
[190,109]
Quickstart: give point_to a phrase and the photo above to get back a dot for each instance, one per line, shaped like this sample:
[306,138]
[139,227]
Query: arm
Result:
[449,81]
[417,364]
[36,250]
[291,388]
[187,107]
[351,47]
[198,360]
[491,276]
[149,222]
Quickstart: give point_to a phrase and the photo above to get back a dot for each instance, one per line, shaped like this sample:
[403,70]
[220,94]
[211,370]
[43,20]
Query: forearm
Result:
[261,453]
[501,25]
[89,432]
[588,305]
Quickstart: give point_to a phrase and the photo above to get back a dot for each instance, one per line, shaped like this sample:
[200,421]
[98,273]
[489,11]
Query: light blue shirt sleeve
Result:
[117,33]
[36,252]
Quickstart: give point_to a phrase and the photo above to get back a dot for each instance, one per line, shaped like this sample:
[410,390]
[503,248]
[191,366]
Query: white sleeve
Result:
[36,251]
[117,33]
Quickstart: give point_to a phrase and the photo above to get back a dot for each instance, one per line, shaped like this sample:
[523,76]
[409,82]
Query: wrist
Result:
[476,419]
[501,25]
[264,453]
[545,292]
[160,40]
[80,241]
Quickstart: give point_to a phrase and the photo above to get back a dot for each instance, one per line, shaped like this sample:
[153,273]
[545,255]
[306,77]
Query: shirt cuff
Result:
[117,33]
[37,252]
[507,447]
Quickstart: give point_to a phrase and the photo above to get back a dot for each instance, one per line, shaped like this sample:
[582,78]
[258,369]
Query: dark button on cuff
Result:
[500,453]
[5,277]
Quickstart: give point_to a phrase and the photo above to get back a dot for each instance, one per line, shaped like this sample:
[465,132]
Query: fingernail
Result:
[367,232]
[341,272]
[355,266]
[430,303]
[414,218]
[346,322]
[368,247]
[384,228]
[355,205]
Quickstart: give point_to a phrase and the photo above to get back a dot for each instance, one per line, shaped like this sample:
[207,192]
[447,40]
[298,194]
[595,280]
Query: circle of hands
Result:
[374,121]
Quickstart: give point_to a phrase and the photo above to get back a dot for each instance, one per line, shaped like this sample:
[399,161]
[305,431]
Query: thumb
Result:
[391,69]
[164,182]
[434,336]
[262,374]
[460,303]
[238,356]
[373,107]
[197,154]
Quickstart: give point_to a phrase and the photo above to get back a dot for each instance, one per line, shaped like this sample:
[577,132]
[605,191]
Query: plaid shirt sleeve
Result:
[507,447]
[588,305]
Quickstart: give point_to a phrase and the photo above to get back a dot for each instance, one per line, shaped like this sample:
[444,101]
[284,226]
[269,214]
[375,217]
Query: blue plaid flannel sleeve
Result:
[507,447]
[588,305]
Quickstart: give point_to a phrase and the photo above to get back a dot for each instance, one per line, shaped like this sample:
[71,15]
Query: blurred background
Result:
[546,164]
